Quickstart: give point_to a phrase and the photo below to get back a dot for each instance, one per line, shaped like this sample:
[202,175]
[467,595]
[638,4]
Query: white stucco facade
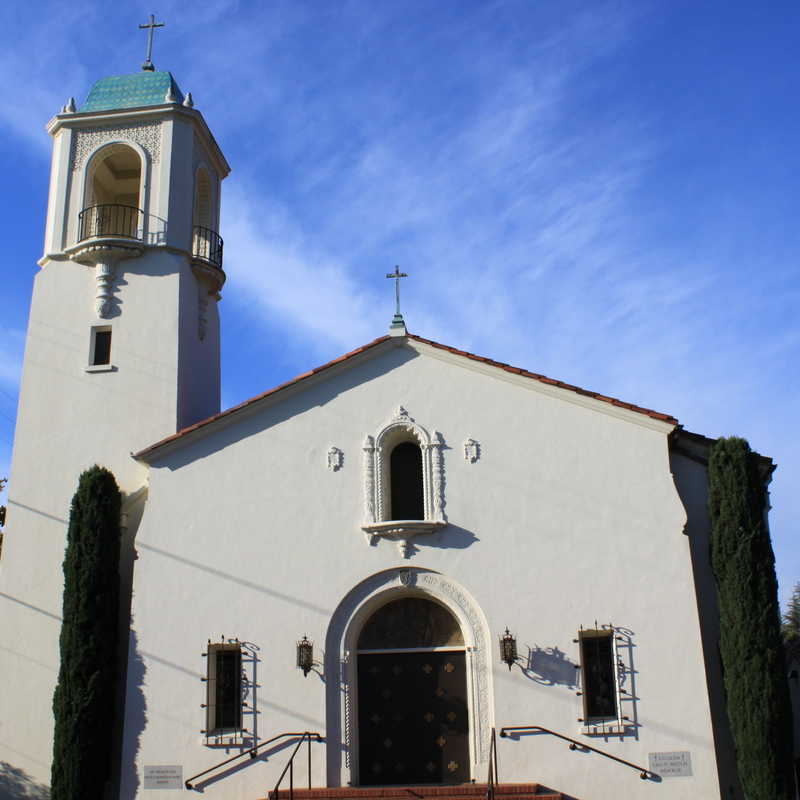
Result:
[569,515]
[548,510]
[163,372]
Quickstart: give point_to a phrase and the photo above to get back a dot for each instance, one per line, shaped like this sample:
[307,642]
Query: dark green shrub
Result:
[750,636]
[84,698]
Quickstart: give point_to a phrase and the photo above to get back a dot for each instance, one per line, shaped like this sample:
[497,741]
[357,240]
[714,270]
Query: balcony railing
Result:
[109,220]
[207,245]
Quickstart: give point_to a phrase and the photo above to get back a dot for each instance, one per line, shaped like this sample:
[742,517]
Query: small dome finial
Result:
[69,108]
[187,101]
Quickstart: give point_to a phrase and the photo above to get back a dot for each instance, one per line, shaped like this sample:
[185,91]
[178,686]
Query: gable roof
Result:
[143,455]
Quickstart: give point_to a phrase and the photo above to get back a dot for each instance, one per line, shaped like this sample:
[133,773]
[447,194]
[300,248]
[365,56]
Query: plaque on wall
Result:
[158,776]
[677,764]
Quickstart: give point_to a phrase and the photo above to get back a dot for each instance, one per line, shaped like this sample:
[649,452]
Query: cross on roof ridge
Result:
[148,63]
[397,321]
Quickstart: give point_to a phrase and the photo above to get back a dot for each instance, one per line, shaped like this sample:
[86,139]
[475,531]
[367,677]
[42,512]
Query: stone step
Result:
[467,791]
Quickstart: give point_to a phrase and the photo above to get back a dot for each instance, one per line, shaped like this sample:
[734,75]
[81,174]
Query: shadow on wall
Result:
[16,783]
[550,667]
[261,758]
[452,537]
[135,720]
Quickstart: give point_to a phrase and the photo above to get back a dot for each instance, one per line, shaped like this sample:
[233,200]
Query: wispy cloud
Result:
[549,209]
[276,270]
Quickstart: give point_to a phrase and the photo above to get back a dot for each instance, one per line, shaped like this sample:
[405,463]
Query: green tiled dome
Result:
[143,88]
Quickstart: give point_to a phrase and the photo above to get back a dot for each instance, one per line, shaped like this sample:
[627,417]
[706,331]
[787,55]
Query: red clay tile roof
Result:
[506,367]
[550,381]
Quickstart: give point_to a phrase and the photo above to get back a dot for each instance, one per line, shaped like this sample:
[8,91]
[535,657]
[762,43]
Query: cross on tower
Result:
[398,321]
[148,64]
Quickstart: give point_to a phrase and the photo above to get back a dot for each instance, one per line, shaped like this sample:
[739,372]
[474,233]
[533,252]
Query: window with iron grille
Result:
[224,688]
[599,675]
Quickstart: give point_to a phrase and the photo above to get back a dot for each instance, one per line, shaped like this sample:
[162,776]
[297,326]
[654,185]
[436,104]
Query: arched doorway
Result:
[413,715]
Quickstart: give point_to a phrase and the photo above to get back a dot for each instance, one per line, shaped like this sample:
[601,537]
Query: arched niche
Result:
[402,429]
[410,621]
[341,654]
[113,191]
[203,209]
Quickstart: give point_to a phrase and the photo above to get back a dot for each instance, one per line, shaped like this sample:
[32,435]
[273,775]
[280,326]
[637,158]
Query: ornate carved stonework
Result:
[335,459]
[104,274]
[478,655]
[400,532]
[399,428]
[369,479]
[393,583]
[347,694]
[86,140]
[407,577]
[103,255]
[437,472]
[472,451]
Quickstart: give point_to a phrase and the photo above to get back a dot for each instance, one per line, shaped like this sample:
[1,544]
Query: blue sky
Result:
[603,192]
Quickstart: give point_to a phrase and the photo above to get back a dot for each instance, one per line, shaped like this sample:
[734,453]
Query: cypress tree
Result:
[750,636]
[791,625]
[84,697]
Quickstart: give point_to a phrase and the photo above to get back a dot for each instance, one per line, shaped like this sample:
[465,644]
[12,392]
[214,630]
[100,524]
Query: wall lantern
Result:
[305,655]
[508,649]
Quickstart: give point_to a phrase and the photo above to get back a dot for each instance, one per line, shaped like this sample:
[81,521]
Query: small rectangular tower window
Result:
[599,668]
[224,688]
[101,346]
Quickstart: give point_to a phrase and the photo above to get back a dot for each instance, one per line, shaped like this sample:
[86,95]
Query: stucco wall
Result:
[570,515]
[68,420]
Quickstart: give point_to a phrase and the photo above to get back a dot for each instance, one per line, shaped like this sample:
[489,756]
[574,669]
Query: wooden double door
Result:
[413,723]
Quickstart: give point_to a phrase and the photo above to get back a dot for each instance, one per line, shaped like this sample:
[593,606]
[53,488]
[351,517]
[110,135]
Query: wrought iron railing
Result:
[493,777]
[273,795]
[111,220]
[253,752]
[644,774]
[207,245]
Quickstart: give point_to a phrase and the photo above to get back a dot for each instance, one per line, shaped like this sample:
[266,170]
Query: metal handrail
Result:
[207,244]
[109,219]
[252,752]
[644,774]
[493,777]
[273,795]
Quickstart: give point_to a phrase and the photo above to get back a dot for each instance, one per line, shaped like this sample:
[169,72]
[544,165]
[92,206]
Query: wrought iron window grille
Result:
[603,675]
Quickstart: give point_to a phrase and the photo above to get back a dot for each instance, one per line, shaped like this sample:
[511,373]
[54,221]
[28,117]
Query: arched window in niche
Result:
[405,471]
[202,200]
[206,243]
[403,481]
[410,622]
[112,195]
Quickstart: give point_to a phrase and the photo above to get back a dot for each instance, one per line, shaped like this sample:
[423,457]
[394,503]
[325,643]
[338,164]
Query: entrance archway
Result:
[413,716]
[343,733]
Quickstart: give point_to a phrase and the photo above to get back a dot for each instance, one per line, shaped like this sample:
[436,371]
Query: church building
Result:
[426,568]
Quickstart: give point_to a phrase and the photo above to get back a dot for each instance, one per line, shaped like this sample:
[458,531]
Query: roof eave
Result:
[657,420]
[195,432]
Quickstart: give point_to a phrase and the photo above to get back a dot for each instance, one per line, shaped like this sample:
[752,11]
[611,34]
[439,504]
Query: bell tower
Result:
[122,349]
[132,266]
